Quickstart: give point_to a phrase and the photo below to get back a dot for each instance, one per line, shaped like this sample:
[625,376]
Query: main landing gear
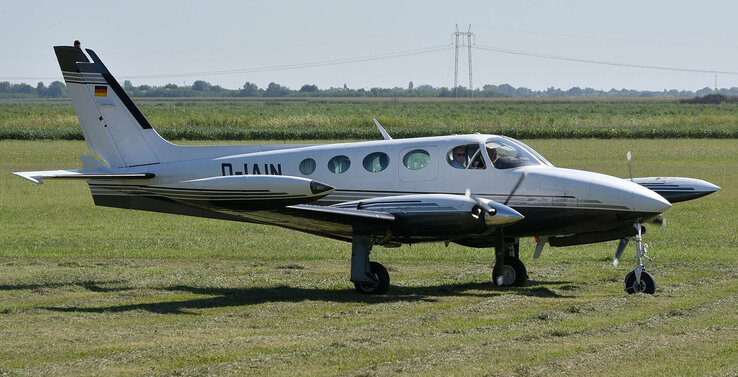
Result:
[368,277]
[509,270]
[372,278]
[639,280]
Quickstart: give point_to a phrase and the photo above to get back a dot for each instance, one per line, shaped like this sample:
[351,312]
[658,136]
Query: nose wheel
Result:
[645,284]
[639,280]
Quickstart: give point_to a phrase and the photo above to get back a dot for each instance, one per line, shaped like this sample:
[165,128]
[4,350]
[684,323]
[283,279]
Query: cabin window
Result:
[307,166]
[339,164]
[376,162]
[465,156]
[416,159]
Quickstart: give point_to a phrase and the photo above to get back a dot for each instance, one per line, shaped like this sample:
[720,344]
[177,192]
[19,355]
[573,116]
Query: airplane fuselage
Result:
[554,201]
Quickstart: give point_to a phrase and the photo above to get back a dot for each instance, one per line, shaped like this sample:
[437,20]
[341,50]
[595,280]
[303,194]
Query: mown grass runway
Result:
[86,290]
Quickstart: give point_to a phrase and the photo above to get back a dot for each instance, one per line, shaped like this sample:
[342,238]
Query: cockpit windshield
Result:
[506,153]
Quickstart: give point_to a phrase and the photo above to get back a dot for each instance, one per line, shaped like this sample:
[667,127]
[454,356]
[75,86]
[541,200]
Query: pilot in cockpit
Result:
[492,152]
[458,159]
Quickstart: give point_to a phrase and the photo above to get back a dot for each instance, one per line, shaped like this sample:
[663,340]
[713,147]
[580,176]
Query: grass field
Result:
[242,119]
[86,290]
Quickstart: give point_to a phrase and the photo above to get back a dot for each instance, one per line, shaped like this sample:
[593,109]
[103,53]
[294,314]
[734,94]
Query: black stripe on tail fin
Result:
[73,60]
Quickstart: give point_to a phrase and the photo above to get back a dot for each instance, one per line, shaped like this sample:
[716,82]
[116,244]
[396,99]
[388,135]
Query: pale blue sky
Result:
[141,39]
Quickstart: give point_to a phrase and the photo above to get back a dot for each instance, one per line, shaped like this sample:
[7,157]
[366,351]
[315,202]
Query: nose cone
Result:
[645,200]
[503,215]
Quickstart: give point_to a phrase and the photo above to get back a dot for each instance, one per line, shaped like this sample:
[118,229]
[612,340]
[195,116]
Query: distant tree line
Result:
[711,99]
[56,89]
[201,88]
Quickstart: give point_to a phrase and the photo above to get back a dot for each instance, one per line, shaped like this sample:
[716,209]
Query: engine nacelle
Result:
[244,192]
[677,189]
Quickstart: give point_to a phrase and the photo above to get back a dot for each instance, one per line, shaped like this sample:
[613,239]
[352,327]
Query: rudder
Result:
[113,126]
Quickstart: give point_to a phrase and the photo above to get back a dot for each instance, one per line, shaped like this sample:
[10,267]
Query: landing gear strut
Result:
[639,280]
[509,270]
[368,277]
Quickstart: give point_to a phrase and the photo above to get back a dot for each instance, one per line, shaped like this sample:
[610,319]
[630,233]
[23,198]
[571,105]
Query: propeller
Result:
[660,219]
[495,214]
[624,241]
[619,252]
[517,185]
[481,203]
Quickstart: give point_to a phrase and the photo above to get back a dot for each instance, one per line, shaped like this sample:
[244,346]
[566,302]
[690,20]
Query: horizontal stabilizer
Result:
[93,169]
[38,176]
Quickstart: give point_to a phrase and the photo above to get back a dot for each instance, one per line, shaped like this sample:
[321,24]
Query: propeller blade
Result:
[481,203]
[619,253]
[495,214]
[515,188]
[630,166]
[660,219]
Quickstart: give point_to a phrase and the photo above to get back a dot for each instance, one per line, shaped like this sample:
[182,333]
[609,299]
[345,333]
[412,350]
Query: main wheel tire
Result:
[521,274]
[647,284]
[382,284]
[513,273]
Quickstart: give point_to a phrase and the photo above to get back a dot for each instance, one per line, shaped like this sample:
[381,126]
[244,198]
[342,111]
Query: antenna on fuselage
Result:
[385,135]
[630,166]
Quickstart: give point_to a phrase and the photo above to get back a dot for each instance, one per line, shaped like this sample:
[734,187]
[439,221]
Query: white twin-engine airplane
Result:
[474,190]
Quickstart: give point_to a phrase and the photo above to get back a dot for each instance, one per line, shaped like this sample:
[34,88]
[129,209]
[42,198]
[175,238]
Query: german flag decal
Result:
[101,91]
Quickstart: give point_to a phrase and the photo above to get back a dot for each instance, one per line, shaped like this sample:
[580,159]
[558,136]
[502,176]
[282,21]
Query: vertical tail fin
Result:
[113,127]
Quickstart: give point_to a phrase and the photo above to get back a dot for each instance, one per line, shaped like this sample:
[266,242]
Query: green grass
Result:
[88,290]
[248,119]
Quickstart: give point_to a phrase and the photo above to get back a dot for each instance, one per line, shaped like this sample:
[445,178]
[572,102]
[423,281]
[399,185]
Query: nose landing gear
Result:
[639,280]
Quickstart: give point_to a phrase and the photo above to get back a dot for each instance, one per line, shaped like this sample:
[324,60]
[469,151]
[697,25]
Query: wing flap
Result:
[344,213]
[337,223]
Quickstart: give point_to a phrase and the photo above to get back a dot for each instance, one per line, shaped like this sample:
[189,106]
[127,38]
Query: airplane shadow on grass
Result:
[228,297]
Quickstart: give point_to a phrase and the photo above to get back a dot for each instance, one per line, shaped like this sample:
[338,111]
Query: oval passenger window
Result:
[339,164]
[416,159]
[376,162]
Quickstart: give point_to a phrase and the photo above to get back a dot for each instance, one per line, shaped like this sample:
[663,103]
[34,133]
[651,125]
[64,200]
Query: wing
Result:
[397,219]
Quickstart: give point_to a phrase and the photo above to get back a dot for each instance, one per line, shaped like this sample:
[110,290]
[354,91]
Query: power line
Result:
[595,38]
[601,62]
[322,63]
[29,78]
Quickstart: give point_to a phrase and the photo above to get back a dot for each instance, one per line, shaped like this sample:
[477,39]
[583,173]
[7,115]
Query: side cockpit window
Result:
[466,156]
[505,154]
